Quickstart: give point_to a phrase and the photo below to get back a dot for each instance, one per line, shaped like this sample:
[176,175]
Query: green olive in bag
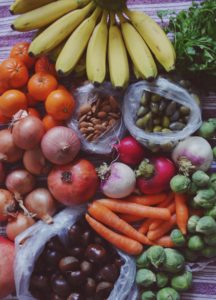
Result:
[174,261]
[182,282]
[168,293]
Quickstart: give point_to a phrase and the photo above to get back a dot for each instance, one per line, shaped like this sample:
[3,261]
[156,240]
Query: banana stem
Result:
[112,19]
[96,13]
[122,19]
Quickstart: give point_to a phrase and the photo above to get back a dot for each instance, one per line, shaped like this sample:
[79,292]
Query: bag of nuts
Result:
[30,246]
[160,113]
[97,119]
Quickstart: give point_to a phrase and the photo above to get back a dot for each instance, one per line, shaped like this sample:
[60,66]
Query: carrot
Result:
[165,241]
[107,217]
[182,212]
[162,230]
[157,223]
[130,218]
[124,207]
[145,226]
[119,241]
[147,199]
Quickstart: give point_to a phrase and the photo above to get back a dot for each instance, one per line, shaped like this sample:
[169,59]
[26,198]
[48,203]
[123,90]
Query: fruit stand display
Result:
[107,150]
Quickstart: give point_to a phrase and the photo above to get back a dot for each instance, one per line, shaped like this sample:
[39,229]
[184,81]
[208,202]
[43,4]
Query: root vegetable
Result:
[35,162]
[9,152]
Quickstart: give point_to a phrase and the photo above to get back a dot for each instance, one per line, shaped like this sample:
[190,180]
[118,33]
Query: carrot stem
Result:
[124,207]
[107,217]
[121,242]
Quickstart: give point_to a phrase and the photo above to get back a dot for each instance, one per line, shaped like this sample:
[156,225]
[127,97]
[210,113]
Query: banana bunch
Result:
[99,37]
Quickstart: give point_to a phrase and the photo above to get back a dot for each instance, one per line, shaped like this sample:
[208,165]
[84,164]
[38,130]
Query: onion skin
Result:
[196,150]
[60,145]
[35,162]
[17,225]
[9,152]
[41,202]
[28,132]
[2,173]
[164,170]
[7,284]
[7,204]
[74,183]
[120,183]
[20,182]
[130,151]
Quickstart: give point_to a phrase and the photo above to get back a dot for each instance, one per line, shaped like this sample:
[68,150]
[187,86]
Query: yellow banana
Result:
[138,50]
[117,56]
[76,45]
[155,38]
[96,52]
[46,14]
[23,6]
[80,68]
[58,31]
[53,55]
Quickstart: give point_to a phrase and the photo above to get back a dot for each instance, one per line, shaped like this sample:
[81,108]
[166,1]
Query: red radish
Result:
[7,250]
[154,175]
[74,183]
[17,225]
[130,151]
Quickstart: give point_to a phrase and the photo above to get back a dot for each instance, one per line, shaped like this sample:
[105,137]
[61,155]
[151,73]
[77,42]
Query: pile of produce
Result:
[151,202]
[95,31]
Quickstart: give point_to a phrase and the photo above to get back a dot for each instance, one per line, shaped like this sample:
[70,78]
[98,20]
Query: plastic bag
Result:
[31,242]
[88,94]
[165,88]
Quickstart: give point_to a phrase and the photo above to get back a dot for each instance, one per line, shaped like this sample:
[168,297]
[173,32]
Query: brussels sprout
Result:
[142,260]
[192,189]
[207,130]
[156,255]
[177,237]
[174,261]
[206,225]
[145,277]
[213,121]
[205,198]
[200,178]
[168,293]
[193,204]
[190,255]
[211,212]
[213,179]
[192,223]
[210,239]
[161,279]
[180,184]
[196,243]
[182,282]
[209,252]
[148,295]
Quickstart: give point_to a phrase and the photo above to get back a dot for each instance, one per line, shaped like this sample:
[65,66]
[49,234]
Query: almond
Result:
[84,109]
[102,114]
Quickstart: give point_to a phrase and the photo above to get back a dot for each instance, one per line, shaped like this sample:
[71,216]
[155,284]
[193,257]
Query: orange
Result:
[11,102]
[44,65]
[49,122]
[40,85]
[20,51]
[60,104]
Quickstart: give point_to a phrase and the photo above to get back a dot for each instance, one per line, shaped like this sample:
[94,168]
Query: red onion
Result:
[7,204]
[8,150]
[117,180]
[35,162]
[28,132]
[193,153]
[20,182]
[17,225]
[60,145]
[41,203]
[130,151]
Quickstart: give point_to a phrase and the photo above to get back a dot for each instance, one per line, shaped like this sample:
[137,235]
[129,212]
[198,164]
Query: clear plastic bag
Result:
[31,242]
[87,94]
[171,91]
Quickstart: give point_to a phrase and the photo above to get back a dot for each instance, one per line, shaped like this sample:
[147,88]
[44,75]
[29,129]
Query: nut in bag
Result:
[30,245]
[97,119]
[160,113]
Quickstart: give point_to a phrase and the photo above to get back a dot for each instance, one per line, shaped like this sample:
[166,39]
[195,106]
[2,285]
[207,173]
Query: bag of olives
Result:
[97,119]
[68,260]
[160,113]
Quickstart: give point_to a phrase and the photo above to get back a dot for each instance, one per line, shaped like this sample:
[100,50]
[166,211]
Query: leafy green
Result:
[194,32]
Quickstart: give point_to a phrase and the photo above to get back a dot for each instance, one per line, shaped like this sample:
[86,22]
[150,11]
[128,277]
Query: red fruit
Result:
[7,250]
